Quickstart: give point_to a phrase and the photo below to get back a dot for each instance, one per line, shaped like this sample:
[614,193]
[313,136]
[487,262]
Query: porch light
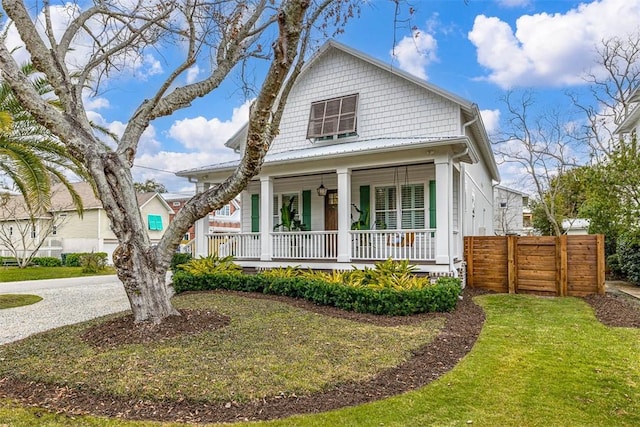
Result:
[322,190]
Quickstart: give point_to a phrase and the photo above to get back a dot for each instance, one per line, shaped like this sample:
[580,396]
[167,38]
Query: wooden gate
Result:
[545,265]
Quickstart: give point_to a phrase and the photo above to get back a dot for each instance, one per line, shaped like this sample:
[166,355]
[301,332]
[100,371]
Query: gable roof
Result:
[470,111]
[61,200]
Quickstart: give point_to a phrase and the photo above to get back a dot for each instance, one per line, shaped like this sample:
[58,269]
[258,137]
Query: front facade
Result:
[370,163]
[63,230]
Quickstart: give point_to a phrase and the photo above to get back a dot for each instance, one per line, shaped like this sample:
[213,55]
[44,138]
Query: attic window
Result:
[333,117]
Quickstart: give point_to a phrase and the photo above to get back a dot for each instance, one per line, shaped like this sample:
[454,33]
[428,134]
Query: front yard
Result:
[537,361]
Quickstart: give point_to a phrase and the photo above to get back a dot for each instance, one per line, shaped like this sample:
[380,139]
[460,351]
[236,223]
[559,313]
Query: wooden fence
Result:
[553,266]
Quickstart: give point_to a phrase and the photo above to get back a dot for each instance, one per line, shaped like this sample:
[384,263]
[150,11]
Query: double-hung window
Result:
[408,210]
[332,118]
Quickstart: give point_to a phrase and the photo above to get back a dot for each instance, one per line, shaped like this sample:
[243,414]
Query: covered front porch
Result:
[334,218]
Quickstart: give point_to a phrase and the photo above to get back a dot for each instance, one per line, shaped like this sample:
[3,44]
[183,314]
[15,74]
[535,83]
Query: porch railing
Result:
[305,245]
[238,245]
[415,245]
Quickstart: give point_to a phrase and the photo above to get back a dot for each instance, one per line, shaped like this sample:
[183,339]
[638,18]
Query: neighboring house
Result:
[508,215]
[631,122]
[68,232]
[573,226]
[370,163]
[224,220]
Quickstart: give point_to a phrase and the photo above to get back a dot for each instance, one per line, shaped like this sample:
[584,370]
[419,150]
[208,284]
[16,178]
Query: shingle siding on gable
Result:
[388,105]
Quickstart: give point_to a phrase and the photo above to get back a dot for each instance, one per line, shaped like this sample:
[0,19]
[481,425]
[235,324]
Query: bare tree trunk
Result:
[145,283]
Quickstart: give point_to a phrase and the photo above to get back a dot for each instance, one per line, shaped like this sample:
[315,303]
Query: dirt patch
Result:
[124,330]
[616,309]
[428,363]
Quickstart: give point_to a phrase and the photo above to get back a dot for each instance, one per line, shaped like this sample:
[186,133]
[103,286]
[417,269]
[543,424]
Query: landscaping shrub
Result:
[179,259]
[212,264]
[615,269]
[46,261]
[440,297]
[629,256]
[72,260]
[93,262]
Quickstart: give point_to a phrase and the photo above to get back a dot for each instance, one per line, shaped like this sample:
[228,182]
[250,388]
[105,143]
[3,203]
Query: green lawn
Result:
[538,362]
[14,274]
[15,300]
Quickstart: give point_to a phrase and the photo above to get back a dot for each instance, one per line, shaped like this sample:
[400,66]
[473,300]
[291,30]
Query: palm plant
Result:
[30,155]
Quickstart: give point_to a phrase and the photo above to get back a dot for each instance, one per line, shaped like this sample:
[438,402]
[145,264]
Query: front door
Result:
[331,223]
[331,210]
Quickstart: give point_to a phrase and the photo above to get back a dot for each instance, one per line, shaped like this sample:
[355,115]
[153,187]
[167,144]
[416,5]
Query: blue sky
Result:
[477,50]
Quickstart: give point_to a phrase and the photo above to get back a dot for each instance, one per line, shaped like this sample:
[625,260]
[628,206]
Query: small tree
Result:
[149,186]
[544,147]
[23,231]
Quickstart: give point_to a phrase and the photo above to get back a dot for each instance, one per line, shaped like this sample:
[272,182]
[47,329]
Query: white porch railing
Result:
[238,245]
[305,244]
[415,245]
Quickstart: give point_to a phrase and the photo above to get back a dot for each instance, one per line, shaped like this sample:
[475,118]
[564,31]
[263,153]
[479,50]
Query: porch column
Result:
[344,215]
[444,201]
[266,217]
[201,228]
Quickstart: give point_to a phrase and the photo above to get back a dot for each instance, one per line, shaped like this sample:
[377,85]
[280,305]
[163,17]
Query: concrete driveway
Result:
[65,301]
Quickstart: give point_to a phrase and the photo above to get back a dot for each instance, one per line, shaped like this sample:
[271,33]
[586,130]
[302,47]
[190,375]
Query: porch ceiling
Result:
[372,146]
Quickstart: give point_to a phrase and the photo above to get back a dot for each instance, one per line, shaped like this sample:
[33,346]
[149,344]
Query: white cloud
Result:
[550,49]
[416,53]
[491,120]
[192,74]
[162,165]
[203,134]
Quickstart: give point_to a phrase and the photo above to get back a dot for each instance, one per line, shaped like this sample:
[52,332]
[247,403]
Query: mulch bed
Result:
[428,363]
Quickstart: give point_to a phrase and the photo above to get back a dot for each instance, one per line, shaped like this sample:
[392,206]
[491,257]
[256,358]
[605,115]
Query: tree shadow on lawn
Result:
[428,363]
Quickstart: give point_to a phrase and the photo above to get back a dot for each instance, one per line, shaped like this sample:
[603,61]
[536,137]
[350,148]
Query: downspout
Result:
[461,206]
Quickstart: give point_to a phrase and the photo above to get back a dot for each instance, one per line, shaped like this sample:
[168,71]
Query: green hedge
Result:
[75,259]
[46,261]
[441,297]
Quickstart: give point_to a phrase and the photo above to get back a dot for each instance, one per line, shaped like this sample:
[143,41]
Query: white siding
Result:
[388,106]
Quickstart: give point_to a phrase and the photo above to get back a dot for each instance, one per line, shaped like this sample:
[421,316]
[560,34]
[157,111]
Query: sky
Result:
[475,49]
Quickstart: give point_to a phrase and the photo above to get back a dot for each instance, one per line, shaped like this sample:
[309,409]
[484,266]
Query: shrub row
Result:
[440,297]
[46,261]
[75,259]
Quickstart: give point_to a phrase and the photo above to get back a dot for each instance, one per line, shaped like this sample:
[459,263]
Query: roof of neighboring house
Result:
[61,200]
[469,109]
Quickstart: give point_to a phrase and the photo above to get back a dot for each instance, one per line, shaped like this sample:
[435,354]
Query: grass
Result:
[538,362]
[14,274]
[15,300]
[269,348]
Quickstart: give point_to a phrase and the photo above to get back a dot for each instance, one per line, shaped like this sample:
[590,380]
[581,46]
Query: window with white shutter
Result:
[332,118]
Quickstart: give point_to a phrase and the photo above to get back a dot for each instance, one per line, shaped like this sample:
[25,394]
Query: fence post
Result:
[561,266]
[511,264]
[600,267]
[468,256]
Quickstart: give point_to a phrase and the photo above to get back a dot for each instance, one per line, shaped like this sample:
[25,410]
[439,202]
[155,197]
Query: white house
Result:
[508,215]
[62,230]
[372,162]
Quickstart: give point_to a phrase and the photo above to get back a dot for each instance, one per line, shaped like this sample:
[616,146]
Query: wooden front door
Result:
[331,210]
